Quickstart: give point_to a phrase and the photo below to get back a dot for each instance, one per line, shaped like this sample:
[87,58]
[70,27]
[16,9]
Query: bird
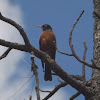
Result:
[47,43]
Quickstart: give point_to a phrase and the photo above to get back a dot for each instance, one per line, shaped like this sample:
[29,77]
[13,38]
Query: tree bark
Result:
[96,52]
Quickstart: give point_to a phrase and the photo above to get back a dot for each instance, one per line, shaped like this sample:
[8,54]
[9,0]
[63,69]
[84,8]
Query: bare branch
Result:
[84,56]
[55,90]
[14,45]
[5,53]
[34,69]
[71,45]
[62,52]
[75,95]
[38,53]
[19,28]
[44,91]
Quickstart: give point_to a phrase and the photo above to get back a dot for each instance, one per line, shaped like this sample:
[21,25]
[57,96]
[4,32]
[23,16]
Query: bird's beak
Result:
[40,26]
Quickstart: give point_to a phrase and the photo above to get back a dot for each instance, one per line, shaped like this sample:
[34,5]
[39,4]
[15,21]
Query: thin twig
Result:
[45,91]
[84,57]
[62,52]
[5,53]
[75,95]
[55,90]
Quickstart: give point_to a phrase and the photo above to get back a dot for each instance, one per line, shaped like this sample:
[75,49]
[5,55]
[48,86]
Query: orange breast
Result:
[47,39]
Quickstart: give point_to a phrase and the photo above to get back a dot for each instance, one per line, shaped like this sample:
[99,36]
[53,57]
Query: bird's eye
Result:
[45,25]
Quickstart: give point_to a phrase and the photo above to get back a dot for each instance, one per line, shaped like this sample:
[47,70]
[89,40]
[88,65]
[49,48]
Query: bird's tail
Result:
[48,75]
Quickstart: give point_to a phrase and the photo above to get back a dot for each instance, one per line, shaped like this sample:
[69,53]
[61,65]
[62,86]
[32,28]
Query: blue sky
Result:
[61,15]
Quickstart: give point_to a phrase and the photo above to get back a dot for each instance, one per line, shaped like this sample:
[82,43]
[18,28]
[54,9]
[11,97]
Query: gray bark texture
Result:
[96,52]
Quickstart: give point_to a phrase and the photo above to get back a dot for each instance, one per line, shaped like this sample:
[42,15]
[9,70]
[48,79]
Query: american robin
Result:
[47,44]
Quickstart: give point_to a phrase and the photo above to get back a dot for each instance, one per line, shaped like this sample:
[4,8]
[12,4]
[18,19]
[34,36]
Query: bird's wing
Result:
[40,49]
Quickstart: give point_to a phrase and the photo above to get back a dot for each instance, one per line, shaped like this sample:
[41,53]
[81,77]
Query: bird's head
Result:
[45,27]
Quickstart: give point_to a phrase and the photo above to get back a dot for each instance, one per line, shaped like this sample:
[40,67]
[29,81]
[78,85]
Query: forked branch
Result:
[72,48]
[18,27]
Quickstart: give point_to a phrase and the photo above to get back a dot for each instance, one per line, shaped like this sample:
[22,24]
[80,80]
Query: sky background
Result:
[61,15]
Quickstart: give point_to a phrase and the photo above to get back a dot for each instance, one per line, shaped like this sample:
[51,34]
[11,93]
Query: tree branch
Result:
[62,52]
[18,27]
[44,91]
[5,53]
[14,45]
[84,56]
[71,45]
